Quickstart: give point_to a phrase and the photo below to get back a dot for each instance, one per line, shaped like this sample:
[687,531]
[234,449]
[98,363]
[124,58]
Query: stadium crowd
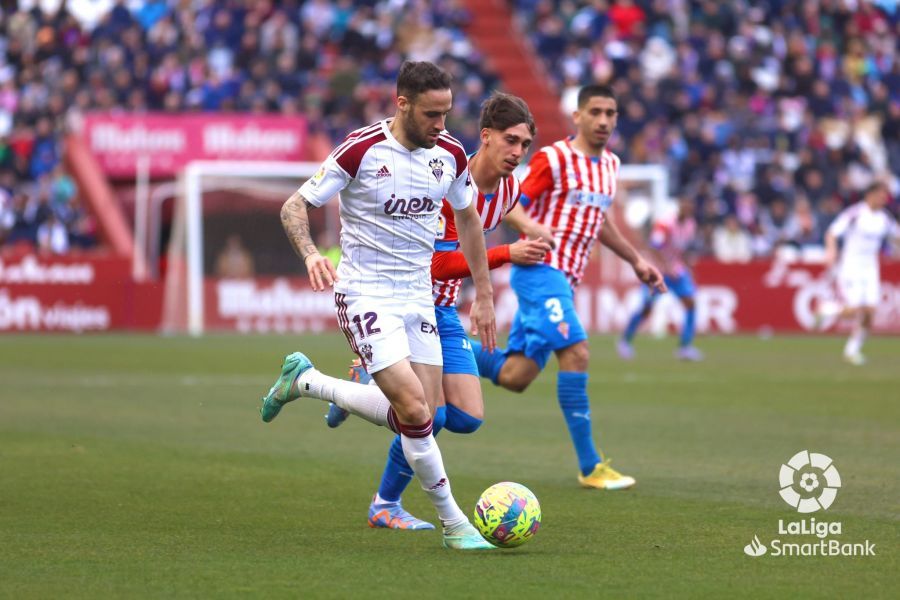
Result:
[771,115]
[335,61]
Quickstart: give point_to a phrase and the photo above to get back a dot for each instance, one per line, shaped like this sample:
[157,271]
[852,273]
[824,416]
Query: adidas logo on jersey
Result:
[382,172]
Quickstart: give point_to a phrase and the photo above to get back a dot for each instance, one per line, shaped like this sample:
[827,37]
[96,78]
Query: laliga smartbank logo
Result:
[809,482]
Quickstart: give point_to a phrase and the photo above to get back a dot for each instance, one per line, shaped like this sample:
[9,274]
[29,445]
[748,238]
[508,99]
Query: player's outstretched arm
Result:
[615,241]
[295,220]
[453,265]
[471,241]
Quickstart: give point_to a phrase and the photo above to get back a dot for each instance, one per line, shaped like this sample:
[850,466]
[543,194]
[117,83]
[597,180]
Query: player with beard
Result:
[507,130]
[392,177]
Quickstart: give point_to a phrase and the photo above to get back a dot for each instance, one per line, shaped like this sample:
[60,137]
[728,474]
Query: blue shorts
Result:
[546,319]
[455,345]
[682,286]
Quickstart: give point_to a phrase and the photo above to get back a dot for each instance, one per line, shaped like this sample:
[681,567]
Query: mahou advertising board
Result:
[89,293]
[172,141]
[758,297]
[74,294]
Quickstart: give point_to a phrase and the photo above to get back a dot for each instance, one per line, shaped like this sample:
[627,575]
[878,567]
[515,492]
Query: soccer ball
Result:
[507,514]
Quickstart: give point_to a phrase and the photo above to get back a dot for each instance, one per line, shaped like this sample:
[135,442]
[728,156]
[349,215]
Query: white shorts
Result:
[860,290]
[384,331]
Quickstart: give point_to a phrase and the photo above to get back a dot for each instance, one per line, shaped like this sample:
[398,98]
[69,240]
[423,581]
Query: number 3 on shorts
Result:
[555,308]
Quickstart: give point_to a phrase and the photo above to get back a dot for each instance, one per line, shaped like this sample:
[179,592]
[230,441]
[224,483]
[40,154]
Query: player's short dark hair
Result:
[590,91]
[876,185]
[502,111]
[419,77]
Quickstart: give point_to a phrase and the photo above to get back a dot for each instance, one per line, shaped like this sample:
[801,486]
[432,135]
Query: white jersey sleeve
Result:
[328,181]
[842,222]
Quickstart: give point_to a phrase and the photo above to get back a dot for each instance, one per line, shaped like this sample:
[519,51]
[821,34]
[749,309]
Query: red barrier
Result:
[75,294]
[171,141]
[754,297]
[731,298]
[96,293]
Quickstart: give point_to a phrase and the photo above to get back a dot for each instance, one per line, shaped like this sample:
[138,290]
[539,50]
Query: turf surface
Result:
[138,467]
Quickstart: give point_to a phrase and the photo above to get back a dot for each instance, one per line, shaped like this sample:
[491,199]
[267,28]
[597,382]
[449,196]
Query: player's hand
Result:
[321,272]
[528,252]
[650,275]
[484,324]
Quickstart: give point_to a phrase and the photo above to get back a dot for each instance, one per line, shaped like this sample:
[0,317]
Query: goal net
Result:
[223,202]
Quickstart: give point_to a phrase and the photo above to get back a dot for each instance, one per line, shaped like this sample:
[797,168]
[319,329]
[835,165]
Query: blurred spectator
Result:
[52,236]
[803,225]
[335,61]
[794,100]
[82,226]
[731,243]
[788,99]
[234,261]
[775,224]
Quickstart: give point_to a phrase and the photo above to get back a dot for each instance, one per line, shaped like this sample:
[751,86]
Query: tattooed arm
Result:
[295,220]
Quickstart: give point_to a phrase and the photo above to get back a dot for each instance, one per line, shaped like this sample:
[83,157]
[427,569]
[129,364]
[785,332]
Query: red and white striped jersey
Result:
[570,193]
[492,208]
[390,201]
[671,238]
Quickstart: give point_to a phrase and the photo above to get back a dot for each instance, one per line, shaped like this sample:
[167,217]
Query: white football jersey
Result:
[864,231]
[390,202]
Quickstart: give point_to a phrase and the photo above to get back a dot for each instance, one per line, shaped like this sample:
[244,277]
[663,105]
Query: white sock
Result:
[424,457]
[830,308]
[855,341]
[366,401]
[379,500]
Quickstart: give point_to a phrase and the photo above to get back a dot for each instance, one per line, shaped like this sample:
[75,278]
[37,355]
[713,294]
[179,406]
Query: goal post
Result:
[184,297]
[655,177]
[187,241]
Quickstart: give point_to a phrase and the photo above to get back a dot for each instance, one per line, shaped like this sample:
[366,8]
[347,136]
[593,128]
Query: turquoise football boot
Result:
[466,537]
[284,390]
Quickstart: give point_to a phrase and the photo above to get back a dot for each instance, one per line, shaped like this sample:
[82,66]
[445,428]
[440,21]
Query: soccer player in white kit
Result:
[392,177]
[864,227]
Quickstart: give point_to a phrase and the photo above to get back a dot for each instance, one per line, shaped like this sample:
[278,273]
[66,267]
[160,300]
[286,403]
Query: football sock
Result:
[829,308]
[571,390]
[855,341]
[423,454]
[636,319]
[687,330]
[489,363]
[366,401]
[459,421]
[397,472]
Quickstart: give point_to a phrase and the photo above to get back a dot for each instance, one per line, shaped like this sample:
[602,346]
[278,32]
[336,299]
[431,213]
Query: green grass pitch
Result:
[135,466]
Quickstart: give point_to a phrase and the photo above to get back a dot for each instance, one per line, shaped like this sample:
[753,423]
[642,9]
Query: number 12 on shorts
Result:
[370,329]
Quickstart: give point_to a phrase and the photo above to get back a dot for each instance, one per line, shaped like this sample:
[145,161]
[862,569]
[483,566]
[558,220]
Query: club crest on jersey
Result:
[563,329]
[437,168]
[366,351]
